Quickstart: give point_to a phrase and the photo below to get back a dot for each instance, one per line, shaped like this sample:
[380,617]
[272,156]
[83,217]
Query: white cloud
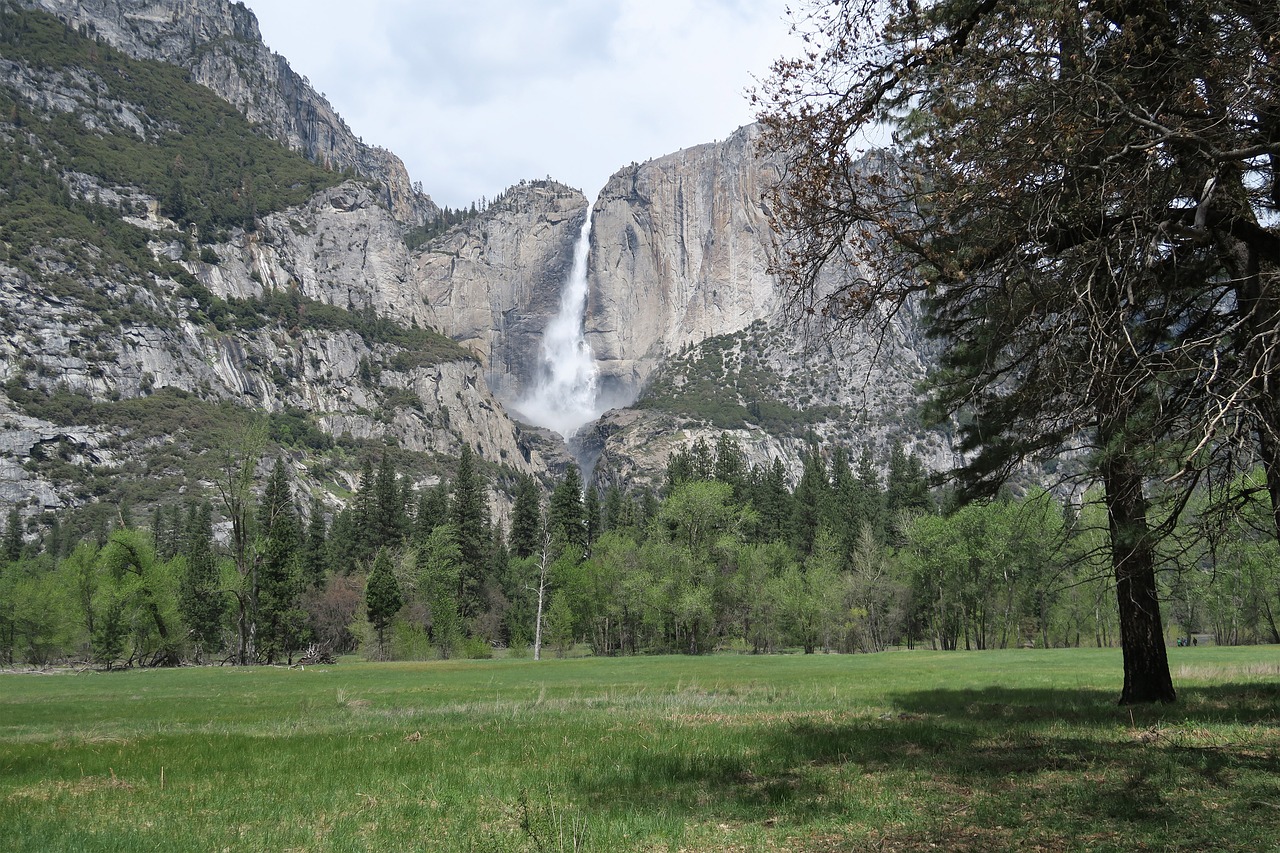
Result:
[476,95]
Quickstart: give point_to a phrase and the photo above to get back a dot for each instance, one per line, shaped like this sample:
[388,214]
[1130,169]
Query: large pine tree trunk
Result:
[1146,663]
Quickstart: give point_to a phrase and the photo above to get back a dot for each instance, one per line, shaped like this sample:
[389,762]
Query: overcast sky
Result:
[475,95]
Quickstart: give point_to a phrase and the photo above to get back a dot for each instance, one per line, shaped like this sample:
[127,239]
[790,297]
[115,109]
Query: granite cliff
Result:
[302,299]
[680,251]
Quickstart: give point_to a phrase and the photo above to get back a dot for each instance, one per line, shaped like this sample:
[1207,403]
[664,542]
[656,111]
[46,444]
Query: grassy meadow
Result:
[1004,750]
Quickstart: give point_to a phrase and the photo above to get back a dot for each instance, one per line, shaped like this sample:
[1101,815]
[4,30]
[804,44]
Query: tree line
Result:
[856,556]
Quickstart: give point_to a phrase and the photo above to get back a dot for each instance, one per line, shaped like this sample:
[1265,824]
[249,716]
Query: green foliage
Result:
[567,512]
[526,518]
[289,309]
[200,600]
[142,603]
[1006,750]
[280,622]
[382,596]
[469,513]
[439,565]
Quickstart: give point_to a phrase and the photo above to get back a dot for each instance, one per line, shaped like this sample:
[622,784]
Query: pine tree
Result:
[315,550]
[617,510]
[470,515]
[810,501]
[382,597]
[279,579]
[13,537]
[568,513]
[772,501]
[389,520]
[438,566]
[199,599]
[593,517]
[731,465]
[341,547]
[433,511]
[526,518]
[907,486]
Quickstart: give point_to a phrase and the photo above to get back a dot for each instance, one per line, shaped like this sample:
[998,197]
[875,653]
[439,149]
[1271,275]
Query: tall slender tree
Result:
[469,512]
[200,599]
[568,514]
[279,568]
[526,518]
[382,597]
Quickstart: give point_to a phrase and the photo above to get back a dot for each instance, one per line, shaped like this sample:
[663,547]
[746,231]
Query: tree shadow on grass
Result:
[996,768]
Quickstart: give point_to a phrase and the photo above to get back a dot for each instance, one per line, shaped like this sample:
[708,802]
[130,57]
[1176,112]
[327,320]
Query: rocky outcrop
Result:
[680,252]
[220,43]
[492,283]
[341,248]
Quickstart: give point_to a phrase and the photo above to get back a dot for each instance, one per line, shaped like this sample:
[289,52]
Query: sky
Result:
[476,95]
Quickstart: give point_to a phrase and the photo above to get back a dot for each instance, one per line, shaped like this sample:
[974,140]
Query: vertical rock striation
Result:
[680,253]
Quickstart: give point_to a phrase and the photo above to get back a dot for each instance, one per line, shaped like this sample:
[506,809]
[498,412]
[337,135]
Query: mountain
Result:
[193,238]
[220,45]
[168,270]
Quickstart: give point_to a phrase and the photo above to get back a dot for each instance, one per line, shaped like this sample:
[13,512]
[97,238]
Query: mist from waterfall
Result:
[564,394]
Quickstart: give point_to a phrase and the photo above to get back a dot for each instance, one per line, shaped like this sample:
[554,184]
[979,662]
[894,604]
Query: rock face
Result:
[219,42]
[683,309]
[342,248]
[492,283]
[680,252]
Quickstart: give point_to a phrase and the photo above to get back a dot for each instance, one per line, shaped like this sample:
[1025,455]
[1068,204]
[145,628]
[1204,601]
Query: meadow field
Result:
[1002,750]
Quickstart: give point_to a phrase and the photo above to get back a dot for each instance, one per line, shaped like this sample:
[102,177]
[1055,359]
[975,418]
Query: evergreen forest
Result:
[859,555]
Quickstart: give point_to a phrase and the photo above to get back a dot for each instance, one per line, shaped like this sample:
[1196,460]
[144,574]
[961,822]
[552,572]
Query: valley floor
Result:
[1006,750]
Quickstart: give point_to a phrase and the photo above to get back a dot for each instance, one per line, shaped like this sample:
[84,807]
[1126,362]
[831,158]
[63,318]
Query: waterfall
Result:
[564,393]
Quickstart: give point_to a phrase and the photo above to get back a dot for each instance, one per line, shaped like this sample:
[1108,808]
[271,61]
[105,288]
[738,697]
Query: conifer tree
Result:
[568,513]
[433,511]
[470,515]
[200,601]
[279,576]
[907,486]
[364,524]
[592,515]
[315,562]
[382,597]
[13,537]
[810,501]
[526,518]
[389,520]
[438,564]
[731,465]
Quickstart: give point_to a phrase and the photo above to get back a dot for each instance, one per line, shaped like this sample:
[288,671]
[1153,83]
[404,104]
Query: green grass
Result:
[1017,750]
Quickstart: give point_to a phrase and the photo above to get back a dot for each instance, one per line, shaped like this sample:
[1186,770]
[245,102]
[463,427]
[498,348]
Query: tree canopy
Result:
[1082,197]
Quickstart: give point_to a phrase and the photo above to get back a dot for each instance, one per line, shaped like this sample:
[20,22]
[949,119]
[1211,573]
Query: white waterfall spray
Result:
[564,394]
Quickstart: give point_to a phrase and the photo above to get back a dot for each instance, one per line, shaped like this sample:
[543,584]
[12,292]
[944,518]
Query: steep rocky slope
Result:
[685,314]
[219,42]
[165,279]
